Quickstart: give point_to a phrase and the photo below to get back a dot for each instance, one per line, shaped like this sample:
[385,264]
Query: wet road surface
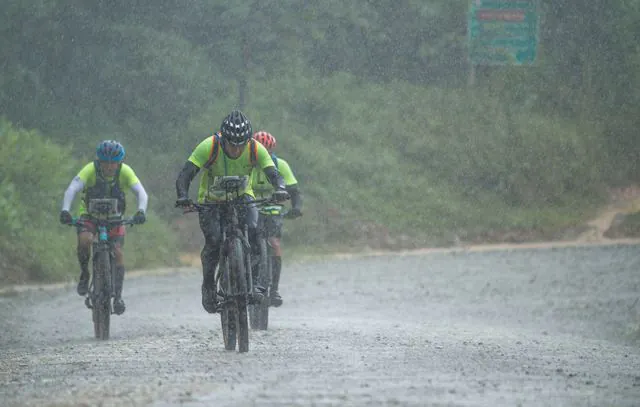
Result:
[538,327]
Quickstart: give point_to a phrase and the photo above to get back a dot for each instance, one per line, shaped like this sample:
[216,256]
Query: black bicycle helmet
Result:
[236,128]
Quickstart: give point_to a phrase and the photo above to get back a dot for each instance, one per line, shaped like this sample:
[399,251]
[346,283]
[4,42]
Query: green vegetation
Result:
[368,100]
[400,159]
[34,246]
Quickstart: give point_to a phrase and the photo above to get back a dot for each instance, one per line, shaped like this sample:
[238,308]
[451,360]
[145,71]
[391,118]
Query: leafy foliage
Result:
[368,98]
[33,174]
[425,162]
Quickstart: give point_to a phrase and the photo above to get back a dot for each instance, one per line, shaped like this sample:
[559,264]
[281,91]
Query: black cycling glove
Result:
[65,218]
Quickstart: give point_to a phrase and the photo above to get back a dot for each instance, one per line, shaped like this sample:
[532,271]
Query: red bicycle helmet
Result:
[266,139]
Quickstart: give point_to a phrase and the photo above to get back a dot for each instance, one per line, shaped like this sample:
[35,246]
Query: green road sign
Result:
[503,32]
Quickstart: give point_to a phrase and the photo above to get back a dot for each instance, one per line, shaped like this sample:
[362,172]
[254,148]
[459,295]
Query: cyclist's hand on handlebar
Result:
[183,202]
[65,218]
[293,213]
[280,195]
[139,218]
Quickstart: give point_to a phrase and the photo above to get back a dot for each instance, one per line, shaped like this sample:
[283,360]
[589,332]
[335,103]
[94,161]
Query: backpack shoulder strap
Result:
[215,148]
[275,159]
[117,175]
[253,152]
[96,168]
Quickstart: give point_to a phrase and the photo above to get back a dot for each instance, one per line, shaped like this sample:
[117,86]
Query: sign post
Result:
[502,32]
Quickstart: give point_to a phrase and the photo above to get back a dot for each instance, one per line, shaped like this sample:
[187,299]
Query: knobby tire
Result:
[228,316]
[239,276]
[101,295]
[259,313]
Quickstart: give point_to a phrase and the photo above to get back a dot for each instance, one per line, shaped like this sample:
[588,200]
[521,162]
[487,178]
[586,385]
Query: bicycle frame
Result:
[102,244]
[234,277]
[259,312]
[102,286]
[231,230]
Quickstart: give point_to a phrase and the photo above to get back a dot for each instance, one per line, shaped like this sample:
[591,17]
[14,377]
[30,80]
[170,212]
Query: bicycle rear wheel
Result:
[259,313]
[101,295]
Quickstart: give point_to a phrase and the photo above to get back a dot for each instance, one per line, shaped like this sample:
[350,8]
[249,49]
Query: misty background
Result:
[369,100]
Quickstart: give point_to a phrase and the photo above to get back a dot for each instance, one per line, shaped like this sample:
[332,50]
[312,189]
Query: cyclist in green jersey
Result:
[261,188]
[232,151]
[106,177]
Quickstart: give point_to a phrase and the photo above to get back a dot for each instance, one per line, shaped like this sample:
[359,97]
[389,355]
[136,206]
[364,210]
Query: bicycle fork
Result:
[102,246]
[230,290]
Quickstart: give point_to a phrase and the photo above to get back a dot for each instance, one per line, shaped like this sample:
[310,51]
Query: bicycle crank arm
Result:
[257,298]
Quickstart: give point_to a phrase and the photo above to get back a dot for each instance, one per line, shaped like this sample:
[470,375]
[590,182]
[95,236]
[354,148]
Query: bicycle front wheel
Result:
[229,314]
[101,295]
[239,277]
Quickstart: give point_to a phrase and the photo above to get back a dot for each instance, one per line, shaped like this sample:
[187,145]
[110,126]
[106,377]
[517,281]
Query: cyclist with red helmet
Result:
[262,189]
[106,177]
[232,151]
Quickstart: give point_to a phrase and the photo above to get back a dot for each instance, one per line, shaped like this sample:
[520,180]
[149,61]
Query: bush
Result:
[423,162]
[33,175]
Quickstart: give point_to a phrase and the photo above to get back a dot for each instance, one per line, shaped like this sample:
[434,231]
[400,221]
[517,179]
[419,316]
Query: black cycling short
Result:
[271,224]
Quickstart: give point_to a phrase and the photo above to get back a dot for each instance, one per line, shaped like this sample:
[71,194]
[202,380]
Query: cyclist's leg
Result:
[86,231]
[210,226]
[116,235]
[275,233]
[249,216]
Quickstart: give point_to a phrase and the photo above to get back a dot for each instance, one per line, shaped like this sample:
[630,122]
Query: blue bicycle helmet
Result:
[110,150]
[236,128]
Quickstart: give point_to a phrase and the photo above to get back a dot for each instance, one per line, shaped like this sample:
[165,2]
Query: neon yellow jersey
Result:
[260,184]
[224,165]
[87,175]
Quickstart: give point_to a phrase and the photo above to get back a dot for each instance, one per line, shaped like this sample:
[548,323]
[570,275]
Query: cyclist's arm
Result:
[274,177]
[185,177]
[296,196]
[266,163]
[74,187]
[292,184]
[86,177]
[141,196]
[197,160]
[128,178]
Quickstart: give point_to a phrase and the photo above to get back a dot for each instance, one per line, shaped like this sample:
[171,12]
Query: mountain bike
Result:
[102,213]
[234,278]
[259,312]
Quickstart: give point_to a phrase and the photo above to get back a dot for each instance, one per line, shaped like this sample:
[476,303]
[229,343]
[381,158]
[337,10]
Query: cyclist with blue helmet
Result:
[106,177]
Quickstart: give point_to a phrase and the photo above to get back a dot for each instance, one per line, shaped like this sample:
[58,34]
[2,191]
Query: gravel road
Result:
[536,327]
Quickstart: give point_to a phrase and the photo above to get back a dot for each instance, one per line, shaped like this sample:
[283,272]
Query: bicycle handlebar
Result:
[196,206]
[110,222]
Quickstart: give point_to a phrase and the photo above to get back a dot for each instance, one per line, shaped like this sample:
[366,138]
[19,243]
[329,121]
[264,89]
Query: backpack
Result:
[104,189]
[215,151]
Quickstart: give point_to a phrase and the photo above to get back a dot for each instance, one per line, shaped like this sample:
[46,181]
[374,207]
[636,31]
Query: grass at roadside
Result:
[34,173]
